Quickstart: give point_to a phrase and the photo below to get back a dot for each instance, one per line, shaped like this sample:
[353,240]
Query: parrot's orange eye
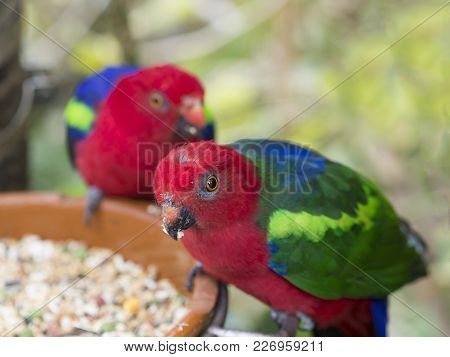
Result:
[212,183]
[156,100]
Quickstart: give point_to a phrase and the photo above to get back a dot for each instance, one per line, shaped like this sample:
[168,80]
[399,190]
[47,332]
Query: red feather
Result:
[228,243]
[129,138]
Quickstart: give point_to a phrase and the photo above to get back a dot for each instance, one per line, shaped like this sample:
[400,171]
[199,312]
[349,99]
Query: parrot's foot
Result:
[291,324]
[221,332]
[306,323]
[197,269]
[288,323]
[94,197]
[288,328]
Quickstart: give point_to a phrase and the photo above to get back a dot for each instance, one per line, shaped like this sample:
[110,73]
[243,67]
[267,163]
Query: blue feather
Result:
[96,87]
[380,316]
[279,268]
[73,136]
[308,164]
[292,164]
[273,248]
[90,93]
[208,133]
[284,149]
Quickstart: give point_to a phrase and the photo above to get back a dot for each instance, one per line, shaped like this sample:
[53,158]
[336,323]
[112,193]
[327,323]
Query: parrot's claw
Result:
[306,323]
[197,269]
[221,332]
[288,328]
[288,323]
[93,198]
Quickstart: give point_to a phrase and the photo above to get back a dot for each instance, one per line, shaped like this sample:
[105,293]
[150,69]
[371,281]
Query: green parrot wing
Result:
[329,230]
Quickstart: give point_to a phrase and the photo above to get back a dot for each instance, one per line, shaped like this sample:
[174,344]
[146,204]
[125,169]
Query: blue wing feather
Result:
[81,109]
[208,133]
[94,89]
[296,163]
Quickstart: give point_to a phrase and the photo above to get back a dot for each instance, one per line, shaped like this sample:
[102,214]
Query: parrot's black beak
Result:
[188,130]
[176,220]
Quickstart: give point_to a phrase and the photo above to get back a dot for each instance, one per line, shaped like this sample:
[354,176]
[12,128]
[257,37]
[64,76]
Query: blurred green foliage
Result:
[389,121]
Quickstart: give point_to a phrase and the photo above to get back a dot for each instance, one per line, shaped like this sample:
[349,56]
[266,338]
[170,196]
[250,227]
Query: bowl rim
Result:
[205,292]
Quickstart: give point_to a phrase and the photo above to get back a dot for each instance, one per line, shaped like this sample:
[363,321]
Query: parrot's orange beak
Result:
[176,220]
[195,116]
[192,110]
[193,119]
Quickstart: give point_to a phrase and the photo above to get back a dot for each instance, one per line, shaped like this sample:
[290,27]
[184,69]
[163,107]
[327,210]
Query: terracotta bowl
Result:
[121,225]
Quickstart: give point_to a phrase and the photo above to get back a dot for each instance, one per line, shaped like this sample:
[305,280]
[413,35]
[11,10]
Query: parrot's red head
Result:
[205,185]
[162,99]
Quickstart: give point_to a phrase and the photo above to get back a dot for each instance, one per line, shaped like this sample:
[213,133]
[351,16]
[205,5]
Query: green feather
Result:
[208,114]
[284,223]
[336,236]
[79,115]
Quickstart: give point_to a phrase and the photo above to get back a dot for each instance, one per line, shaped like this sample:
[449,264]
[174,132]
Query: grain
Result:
[116,298]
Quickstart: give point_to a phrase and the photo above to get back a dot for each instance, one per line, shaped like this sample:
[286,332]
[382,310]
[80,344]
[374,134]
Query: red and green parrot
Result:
[309,237]
[123,120]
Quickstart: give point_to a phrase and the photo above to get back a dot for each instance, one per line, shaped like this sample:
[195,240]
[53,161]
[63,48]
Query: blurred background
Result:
[262,63]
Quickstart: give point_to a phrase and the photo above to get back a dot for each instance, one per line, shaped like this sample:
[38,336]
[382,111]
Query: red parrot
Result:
[301,233]
[123,120]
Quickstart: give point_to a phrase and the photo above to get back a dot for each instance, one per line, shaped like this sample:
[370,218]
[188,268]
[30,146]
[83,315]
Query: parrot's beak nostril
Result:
[176,220]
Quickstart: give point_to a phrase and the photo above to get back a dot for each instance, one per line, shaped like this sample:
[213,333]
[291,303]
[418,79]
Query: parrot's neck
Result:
[230,250]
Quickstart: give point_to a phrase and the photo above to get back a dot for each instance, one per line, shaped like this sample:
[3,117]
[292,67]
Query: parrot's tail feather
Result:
[380,316]
[365,318]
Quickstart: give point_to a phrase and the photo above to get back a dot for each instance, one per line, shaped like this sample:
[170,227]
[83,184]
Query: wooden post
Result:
[13,148]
